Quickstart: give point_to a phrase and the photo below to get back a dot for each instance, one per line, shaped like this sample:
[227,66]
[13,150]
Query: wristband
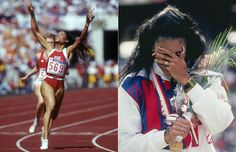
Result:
[189,85]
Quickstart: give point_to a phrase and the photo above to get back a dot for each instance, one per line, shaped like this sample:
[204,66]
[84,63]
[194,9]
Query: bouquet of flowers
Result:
[211,65]
[215,63]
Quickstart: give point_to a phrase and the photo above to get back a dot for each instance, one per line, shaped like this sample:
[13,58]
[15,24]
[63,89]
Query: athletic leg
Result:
[59,98]
[49,99]
[39,108]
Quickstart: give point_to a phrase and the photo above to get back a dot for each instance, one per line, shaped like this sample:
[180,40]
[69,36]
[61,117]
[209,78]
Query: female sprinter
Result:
[57,63]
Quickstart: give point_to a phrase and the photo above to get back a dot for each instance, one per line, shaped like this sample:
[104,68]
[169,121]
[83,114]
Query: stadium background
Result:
[18,47]
[213,16]
[88,116]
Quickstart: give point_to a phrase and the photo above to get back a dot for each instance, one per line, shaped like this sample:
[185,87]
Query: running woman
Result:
[57,64]
[40,68]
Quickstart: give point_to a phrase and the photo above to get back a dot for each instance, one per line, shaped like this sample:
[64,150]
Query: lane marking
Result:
[31,104]
[62,115]
[18,143]
[100,135]
[52,133]
[64,107]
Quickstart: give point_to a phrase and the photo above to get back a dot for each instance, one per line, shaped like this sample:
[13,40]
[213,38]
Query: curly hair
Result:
[169,23]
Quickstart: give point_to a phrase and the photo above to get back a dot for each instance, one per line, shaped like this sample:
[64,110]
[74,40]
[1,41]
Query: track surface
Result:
[87,122]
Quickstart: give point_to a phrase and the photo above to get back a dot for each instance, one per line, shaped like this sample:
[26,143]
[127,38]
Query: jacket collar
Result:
[159,72]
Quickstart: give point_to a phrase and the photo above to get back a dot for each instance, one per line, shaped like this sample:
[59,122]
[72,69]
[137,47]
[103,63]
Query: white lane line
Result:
[64,107]
[100,135]
[16,124]
[14,133]
[18,143]
[33,103]
[52,133]
[17,114]
[63,115]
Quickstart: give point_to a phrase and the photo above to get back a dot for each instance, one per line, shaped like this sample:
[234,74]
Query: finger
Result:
[31,6]
[182,124]
[163,57]
[179,128]
[182,127]
[180,132]
[162,62]
[182,54]
[91,11]
[175,133]
[166,51]
[155,50]
[183,121]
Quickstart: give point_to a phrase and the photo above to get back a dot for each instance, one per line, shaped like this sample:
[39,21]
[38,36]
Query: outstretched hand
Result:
[31,9]
[90,16]
[23,79]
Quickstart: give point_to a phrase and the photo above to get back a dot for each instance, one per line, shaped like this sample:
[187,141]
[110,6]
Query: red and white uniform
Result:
[41,66]
[57,66]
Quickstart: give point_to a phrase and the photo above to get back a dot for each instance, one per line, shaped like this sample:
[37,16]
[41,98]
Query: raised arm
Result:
[89,19]
[35,29]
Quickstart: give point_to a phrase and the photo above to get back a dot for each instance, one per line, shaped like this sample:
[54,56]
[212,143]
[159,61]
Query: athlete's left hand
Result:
[174,64]
[31,9]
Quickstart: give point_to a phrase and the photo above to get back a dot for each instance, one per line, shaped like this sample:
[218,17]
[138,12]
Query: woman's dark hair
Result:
[81,51]
[169,23]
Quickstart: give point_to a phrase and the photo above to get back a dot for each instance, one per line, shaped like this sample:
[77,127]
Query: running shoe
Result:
[44,144]
[33,127]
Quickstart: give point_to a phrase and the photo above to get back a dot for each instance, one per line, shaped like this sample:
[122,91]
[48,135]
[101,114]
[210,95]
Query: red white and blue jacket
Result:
[141,115]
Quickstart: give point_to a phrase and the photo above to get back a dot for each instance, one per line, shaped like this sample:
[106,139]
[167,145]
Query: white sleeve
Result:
[212,107]
[130,138]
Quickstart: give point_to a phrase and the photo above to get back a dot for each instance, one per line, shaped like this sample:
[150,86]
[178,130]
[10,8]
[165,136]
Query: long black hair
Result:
[81,51]
[169,23]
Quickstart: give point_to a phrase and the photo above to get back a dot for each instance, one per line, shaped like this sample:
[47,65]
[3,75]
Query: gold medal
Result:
[176,146]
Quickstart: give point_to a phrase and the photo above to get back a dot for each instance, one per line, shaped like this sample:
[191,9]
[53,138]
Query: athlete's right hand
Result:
[31,9]
[181,127]
[89,17]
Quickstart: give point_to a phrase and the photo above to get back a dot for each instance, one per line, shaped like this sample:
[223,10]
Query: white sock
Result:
[35,121]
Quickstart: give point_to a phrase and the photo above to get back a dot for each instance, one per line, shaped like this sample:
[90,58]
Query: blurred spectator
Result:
[92,75]
[107,78]
[115,72]
[18,47]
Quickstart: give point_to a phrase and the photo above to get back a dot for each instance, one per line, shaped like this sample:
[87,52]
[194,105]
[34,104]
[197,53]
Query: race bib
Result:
[42,73]
[56,67]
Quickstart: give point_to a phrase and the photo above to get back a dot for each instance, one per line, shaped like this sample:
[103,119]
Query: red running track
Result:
[87,122]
